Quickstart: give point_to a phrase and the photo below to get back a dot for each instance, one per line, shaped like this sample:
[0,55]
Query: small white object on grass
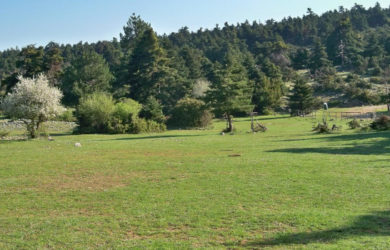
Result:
[222,133]
[77,145]
[50,138]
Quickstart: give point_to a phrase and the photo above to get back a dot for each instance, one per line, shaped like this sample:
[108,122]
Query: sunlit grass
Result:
[286,188]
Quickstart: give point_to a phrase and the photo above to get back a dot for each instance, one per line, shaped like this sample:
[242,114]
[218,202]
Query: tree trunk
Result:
[230,123]
[38,127]
[31,129]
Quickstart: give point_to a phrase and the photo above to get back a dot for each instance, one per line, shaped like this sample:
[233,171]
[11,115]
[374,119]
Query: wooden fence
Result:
[339,115]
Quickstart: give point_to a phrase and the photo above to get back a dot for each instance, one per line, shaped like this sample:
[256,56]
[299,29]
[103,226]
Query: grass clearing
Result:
[286,188]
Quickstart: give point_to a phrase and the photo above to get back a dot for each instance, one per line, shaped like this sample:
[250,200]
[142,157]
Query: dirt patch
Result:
[134,236]
[93,182]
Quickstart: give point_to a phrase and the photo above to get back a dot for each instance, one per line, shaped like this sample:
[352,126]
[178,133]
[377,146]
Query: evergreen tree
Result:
[133,30]
[230,91]
[373,48]
[53,62]
[152,110]
[301,100]
[87,74]
[376,16]
[319,57]
[301,59]
[267,85]
[343,44]
[148,68]
[31,61]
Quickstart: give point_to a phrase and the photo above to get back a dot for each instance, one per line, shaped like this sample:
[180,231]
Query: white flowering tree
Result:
[33,101]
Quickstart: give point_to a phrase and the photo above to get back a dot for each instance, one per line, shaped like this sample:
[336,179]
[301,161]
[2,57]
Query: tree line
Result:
[234,68]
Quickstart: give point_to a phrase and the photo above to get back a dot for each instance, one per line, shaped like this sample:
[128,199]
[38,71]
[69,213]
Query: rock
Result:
[77,145]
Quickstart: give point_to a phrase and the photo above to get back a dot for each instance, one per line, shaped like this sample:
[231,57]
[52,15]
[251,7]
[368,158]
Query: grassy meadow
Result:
[286,188]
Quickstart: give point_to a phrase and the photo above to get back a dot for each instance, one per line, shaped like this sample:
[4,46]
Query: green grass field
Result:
[286,188]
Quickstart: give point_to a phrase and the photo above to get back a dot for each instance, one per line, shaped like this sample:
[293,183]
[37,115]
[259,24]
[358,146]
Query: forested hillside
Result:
[344,54]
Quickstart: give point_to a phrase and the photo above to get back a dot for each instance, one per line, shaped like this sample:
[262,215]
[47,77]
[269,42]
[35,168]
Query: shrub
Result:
[67,116]
[127,107]
[322,128]
[382,123]
[354,124]
[97,113]
[94,113]
[259,128]
[125,112]
[142,125]
[117,126]
[152,110]
[190,113]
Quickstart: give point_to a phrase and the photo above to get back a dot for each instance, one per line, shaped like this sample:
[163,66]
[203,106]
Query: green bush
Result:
[152,110]
[142,125]
[381,123]
[369,97]
[354,124]
[322,128]
[259,128]
[98,113]
[67,116]
[190,113]
[127,107]
[94,113]
[124,113]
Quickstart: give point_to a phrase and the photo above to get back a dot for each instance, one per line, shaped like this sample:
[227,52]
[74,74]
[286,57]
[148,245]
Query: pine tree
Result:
[87,74]
[133,30]
[301,59]
[31,61]
[301,101]
[146,67]
[53,62]
[230,91]
[343,44]
[319,57]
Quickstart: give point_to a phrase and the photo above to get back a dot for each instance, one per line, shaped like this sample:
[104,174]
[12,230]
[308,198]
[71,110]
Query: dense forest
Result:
[343,54]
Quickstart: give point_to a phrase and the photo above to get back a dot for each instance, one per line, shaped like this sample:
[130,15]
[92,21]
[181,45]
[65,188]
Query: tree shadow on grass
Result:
[355,144]
[343,137]
[375,224]
[59,134]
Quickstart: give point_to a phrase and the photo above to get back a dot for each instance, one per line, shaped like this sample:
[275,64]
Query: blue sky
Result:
[24,22]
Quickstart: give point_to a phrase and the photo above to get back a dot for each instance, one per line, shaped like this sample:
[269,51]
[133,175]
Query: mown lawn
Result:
[286,188]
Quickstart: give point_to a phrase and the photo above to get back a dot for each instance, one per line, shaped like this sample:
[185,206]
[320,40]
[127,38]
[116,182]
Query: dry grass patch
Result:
[93,182]
[367,109]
